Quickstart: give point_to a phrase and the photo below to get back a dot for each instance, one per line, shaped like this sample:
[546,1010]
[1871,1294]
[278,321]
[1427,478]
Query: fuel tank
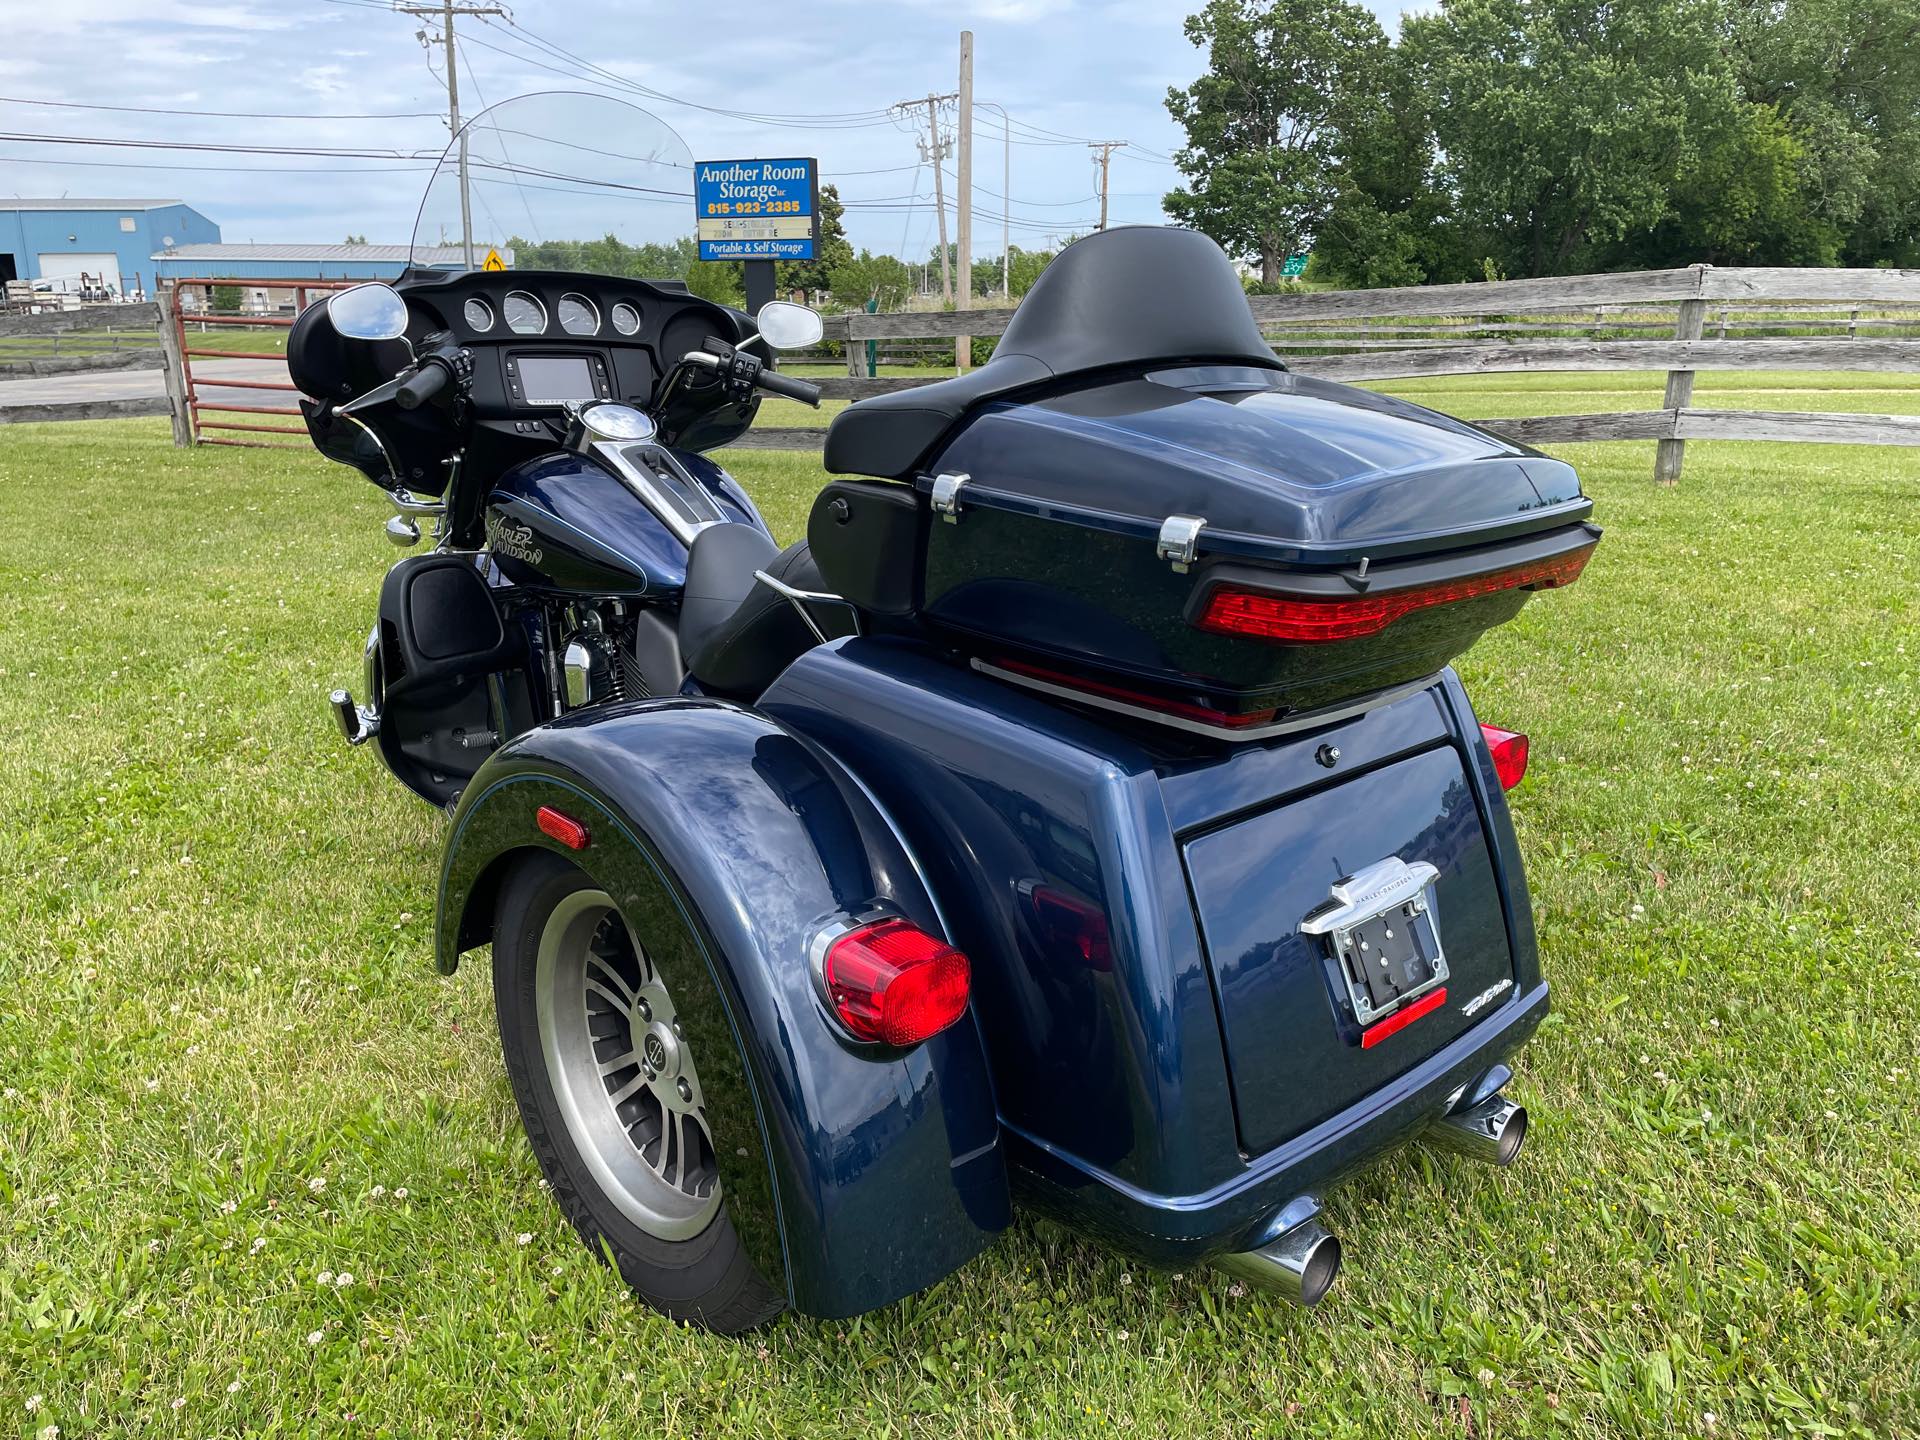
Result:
[569,522]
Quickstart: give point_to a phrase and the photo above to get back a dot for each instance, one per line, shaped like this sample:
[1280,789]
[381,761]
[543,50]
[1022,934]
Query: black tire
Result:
[706,1279]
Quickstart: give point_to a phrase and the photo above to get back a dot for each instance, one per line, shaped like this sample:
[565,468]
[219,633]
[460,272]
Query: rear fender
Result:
[854,1176]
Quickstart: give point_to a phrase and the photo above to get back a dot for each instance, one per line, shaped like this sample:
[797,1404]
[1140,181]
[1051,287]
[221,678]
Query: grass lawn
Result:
[261,1173]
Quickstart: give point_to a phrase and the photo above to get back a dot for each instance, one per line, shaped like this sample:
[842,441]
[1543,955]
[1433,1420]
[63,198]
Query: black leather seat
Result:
[1133,295]
[736,634]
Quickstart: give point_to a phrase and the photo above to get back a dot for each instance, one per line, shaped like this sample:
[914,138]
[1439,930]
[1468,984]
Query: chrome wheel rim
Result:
[622,1071]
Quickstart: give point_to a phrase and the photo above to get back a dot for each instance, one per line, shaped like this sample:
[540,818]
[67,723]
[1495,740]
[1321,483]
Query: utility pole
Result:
[963,344]
[1006,202]
[1106,149]
[446,10]
[935,153]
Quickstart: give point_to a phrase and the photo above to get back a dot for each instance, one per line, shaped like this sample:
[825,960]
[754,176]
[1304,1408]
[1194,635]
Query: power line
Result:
[329,152]
[216,114]
[63,161]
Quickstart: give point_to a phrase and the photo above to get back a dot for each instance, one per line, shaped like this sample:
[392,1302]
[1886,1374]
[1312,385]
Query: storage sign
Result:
[757,209]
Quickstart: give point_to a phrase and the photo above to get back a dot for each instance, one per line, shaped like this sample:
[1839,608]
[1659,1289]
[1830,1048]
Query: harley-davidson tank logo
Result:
[515,542]
[1486,997]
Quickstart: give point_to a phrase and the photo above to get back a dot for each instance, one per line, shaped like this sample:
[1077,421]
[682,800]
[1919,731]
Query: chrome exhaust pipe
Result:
[1492,1131]
[1300,1266]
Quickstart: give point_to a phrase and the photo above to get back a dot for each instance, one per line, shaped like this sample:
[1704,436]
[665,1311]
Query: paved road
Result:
[146,384]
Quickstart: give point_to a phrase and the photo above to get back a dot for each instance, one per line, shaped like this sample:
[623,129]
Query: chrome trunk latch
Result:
[946,496]
[1179,540]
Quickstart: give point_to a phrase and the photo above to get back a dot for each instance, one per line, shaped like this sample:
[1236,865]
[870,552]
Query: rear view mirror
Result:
[368,312]
[786,326]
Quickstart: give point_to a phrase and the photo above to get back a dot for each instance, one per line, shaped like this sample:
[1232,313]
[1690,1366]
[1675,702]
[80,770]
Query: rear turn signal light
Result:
[892,982]
[564,828]
[1232,610]
[1509,754]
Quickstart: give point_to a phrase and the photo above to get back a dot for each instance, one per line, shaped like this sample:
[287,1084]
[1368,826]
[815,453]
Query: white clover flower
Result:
[525,1237]
[1125,1278]
[315,1337]
[1122,1335]
[342,1280]
[153,1247]
[233,1387]
[227,1207]
[179,1402]
[34,1402]
[1485,1376]
[325,1277]
[52,1432]
[377,1191]
[259,1244]
[401,1193]
[317,1184]
[1236,1290]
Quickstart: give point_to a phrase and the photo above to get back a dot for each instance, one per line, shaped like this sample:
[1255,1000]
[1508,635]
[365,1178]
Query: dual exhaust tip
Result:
[1301,1264]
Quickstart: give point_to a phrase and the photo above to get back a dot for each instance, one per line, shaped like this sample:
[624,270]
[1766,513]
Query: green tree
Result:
[1267,125]
[225,300]
[1392,222]
[831,250]
[355,240]
[866,276]
[1566,125]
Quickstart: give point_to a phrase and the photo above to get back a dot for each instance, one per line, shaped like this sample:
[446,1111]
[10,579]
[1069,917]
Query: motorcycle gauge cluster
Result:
[577,315]
[478,313]
[525,315]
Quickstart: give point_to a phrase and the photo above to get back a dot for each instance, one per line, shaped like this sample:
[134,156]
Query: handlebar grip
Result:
[804,391]
[421,386]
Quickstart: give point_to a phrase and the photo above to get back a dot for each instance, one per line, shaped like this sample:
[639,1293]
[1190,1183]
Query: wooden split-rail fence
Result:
[1679,322]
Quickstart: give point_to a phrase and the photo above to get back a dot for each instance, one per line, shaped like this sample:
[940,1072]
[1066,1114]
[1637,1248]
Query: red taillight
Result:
[1232,610]
[1509,754]
[1400,1019]
[564,828]
[892,982]
[1073,926]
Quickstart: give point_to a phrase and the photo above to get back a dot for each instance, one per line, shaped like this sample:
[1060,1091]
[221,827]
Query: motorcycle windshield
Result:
[561,181]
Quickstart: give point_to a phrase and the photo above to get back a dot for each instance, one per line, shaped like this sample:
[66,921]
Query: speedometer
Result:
[577,315]
[525,315]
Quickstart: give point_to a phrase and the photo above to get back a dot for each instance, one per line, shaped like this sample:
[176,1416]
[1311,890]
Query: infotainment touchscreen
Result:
[554,379]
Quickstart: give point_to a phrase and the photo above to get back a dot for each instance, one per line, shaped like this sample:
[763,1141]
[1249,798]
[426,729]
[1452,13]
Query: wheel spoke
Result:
[627,1091]
[621,1002]
[619,1063]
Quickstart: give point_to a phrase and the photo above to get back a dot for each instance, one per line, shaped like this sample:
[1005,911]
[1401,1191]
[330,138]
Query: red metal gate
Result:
[191,384]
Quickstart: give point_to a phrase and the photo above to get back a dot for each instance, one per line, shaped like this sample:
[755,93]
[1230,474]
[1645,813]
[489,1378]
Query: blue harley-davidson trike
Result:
[1084,812]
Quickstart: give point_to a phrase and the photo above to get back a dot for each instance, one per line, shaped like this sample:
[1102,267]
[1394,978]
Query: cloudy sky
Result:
[821,74]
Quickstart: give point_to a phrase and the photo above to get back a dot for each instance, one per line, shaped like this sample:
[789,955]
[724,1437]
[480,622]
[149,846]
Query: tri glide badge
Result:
[1486,997]
[513,541]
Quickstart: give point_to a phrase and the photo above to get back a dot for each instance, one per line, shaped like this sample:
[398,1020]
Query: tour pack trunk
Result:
[1228,545]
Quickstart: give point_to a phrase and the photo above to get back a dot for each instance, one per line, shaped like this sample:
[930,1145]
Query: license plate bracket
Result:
[1380,931]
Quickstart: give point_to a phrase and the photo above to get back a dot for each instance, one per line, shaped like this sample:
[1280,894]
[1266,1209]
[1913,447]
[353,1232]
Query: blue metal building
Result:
[110,243]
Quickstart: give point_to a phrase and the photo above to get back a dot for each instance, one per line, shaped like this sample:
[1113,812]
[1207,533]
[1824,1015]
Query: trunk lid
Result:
[1298,1050]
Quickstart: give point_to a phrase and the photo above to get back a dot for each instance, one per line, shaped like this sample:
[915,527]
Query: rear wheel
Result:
[609,1091]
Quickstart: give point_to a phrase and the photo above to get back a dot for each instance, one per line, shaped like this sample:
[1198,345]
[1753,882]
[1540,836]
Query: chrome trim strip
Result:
[1291,725]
